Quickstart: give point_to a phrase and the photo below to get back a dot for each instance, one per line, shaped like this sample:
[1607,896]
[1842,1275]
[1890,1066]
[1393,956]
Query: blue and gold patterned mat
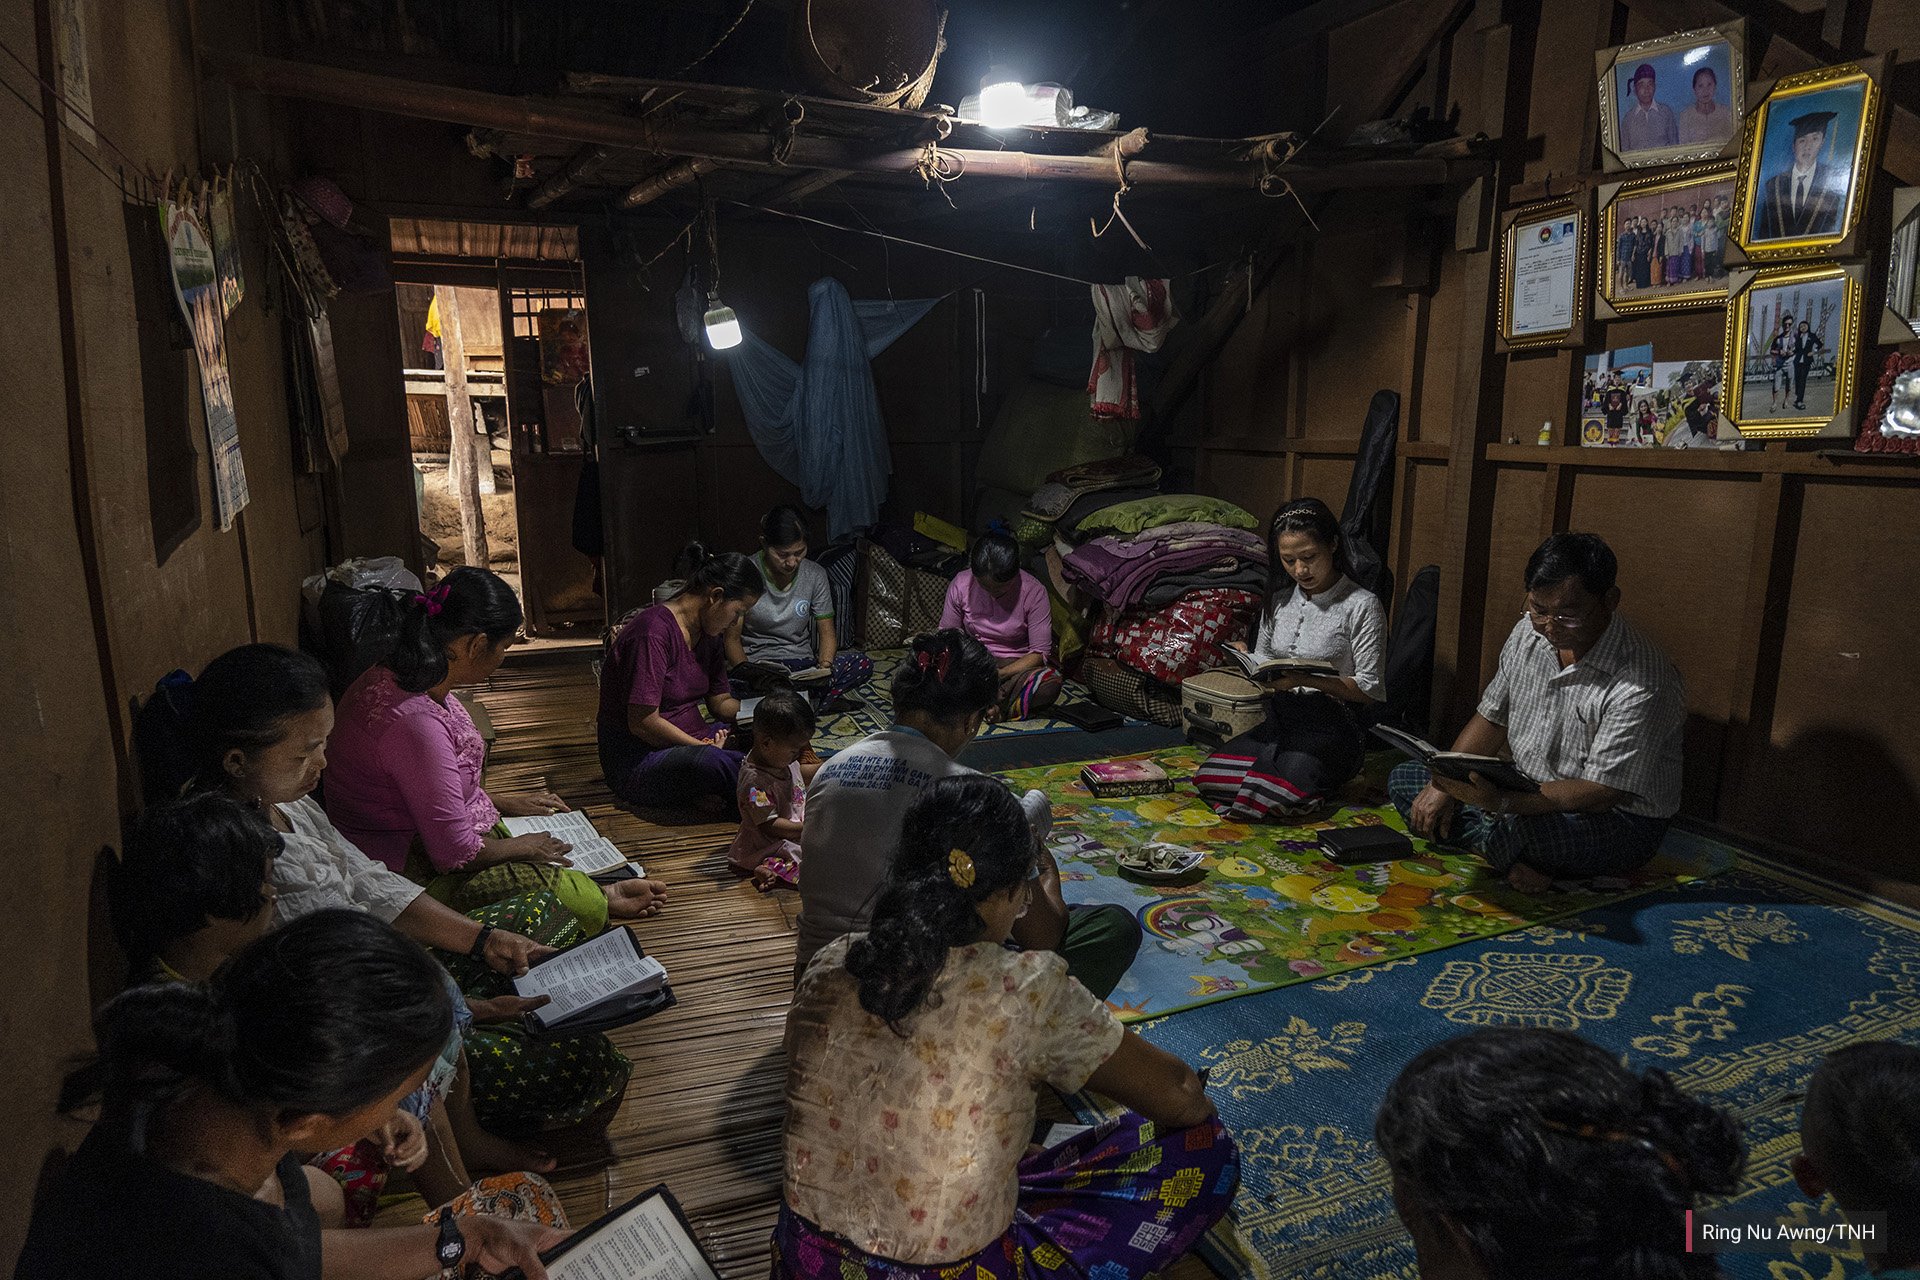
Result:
[1737,987]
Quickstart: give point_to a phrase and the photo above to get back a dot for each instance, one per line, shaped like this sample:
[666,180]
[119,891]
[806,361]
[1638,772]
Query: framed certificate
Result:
[1544,290]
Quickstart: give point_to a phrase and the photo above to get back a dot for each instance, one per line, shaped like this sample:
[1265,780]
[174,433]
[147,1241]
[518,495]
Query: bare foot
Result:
[634,899]
[1525,879]
[486,1153]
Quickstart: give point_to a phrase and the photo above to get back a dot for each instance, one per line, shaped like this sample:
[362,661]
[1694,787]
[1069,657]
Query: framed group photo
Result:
[1807,154]
[1543,275]
[1664,241]
[1674,100]
[1792,348]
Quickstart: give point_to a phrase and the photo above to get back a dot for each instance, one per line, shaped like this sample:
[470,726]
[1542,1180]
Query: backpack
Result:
[1409,674]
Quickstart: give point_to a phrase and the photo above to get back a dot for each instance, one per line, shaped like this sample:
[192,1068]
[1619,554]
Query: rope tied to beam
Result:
[786,129]
[937,166]
[1120,176]
[1276,154]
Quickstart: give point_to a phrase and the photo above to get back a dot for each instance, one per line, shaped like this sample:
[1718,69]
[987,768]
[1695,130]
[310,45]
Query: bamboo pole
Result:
[596,126]
[463,459]
[649,189]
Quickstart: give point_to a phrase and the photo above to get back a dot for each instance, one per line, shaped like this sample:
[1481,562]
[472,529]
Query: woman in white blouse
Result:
[1311,743]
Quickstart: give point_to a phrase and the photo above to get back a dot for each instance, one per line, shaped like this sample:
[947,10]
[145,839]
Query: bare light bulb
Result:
[1003,100]
[723,327]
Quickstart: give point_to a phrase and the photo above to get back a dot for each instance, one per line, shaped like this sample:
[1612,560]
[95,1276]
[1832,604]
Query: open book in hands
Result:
[1263,670]
[591,853]
[647,1238]
[596,985]
[1458,765]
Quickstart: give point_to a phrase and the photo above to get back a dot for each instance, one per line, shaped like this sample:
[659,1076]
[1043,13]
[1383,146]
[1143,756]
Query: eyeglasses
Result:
[1564,619]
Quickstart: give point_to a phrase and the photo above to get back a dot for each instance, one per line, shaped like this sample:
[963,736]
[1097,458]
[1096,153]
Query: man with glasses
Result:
[1590,709]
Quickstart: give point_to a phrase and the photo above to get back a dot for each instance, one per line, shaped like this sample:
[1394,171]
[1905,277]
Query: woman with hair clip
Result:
[1523,1153]
[1310,744]
[942,693]
[914,1053]
[666,661]
[259,722]
[405,782]
[1006,609]
[306,1040]
[792,624]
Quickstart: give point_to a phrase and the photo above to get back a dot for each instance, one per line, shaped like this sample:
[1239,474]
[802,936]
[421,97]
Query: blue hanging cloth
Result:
[818,423]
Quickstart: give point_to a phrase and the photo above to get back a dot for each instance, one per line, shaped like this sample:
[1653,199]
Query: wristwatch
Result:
[479,948]
[452,1246]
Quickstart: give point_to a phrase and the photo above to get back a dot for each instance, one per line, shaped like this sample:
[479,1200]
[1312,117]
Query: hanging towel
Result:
[1130,317]
[818,424]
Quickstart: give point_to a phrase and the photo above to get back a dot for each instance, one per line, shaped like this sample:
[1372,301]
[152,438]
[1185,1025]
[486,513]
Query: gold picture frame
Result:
[1777,219]
[1545,252]
[1900,316]
[1631,134]
[1630,222]
[1776,392]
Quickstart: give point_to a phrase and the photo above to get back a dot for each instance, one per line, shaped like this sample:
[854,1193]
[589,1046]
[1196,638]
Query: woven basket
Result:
[877,51]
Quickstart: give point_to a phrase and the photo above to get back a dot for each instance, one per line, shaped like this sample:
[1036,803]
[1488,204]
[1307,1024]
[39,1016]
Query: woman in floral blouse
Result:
[908,1129]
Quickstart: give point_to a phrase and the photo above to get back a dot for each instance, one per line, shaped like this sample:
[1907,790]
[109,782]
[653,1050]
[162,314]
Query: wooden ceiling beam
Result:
[596,126]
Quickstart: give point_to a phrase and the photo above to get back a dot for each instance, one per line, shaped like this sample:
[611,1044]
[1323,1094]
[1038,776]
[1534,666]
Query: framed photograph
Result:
[1543,275]
[1663,241]
[1793,345]
[1900,318]
[1892,423]
[1805,163]
[1673,100]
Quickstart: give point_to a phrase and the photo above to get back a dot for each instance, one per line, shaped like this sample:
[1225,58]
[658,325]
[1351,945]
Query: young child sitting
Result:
[772,791]
[1860,1140]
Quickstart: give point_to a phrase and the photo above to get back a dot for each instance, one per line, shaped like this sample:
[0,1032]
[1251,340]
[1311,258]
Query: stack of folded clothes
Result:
[1175,576]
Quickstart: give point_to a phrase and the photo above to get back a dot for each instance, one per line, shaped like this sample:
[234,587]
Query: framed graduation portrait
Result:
[1806,158]
[1664,242]
[1675,100]
[1792,349]
[1543,275]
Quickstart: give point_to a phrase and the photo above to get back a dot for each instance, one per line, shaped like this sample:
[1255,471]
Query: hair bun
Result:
[1702,1139]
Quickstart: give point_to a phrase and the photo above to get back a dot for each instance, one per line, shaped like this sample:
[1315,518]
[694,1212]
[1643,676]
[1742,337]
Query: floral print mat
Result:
[1265,908]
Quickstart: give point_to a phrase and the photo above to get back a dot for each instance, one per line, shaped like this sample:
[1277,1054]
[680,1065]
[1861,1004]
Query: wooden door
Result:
[557,582]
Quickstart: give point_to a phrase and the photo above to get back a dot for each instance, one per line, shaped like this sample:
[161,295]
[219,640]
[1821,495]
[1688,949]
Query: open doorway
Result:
[495,359]
[453,361]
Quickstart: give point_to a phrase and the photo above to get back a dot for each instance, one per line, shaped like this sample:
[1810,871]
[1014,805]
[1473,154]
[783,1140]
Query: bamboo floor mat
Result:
[703,1110]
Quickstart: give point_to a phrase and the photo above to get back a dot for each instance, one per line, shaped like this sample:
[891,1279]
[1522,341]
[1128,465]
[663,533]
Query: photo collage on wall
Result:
[1628,399]
[1746,200]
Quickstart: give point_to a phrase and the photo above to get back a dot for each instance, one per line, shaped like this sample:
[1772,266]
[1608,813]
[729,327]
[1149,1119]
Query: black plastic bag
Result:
[358,628]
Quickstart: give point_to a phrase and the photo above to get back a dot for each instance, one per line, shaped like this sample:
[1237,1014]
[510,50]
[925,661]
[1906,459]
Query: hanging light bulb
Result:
[1003,99]
[723,327]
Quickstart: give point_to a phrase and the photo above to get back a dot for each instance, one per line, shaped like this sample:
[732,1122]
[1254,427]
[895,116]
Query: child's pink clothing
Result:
[766,794]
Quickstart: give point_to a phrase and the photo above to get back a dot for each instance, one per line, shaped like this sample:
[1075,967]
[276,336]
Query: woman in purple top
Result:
[1006,609]
[656,747]
[404,782]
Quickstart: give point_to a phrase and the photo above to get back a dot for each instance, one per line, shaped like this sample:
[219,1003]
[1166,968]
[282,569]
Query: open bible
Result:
[592,852]
[596,985]
[1457,765]
[647,1238]
[1274,668]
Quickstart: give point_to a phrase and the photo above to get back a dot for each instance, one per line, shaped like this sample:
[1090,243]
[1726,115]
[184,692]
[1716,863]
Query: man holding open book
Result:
[1589,709]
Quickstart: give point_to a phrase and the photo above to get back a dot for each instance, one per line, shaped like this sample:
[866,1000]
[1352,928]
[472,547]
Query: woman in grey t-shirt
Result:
[792,625]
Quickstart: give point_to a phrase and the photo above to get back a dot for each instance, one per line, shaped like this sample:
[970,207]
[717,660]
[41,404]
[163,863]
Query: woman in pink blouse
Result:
[914,1051]
[404,782]
[1006,609]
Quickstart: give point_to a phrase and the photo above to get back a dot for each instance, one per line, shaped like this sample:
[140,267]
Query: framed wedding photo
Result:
[1543,275]
[1806,158]
[1675,100]
[1792,349]
[1664,240]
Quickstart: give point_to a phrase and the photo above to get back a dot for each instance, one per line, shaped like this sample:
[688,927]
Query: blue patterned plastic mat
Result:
[1737,987]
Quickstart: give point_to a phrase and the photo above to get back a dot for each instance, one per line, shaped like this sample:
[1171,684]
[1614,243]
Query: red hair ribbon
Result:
[941,665]
[435,600]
